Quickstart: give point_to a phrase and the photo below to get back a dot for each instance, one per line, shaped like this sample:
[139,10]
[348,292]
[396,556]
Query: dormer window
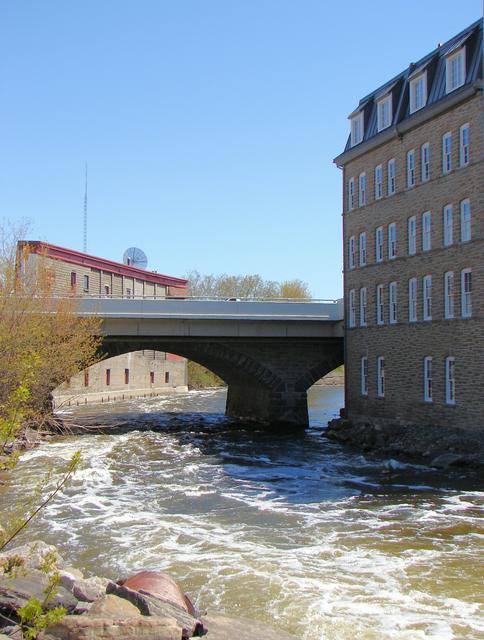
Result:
[418,92]
[455,70]
[357,129]
[385,112]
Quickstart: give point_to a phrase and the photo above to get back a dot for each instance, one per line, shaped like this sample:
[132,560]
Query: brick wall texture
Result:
[404,345]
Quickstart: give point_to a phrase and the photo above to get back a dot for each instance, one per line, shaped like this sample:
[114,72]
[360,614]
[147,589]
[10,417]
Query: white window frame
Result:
[384,112]
[449,295]
[415,103]
[464,145]
[448,224]
[465,220]
[392,303]
[380,302]
[380,376]
[425,162]
[351,193]
[426,231]
[351,309]
[363,309]
[466,293]
[412,235]
[379,242]
[392,241]
[362,189]
[412,300]
[364,376]
[450,380]
[352,252]
[392,177]
[362,247]
[454,81]
[447,152]
[427,298]
[428,390]
[378,182]
[357,129]
[410,168]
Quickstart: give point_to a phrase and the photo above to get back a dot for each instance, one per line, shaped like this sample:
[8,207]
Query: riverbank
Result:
[439,447]
[148,604]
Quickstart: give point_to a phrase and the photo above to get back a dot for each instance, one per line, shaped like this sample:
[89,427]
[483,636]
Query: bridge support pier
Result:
[267,406]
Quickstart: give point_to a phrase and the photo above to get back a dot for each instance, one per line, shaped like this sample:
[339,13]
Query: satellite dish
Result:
[135,257]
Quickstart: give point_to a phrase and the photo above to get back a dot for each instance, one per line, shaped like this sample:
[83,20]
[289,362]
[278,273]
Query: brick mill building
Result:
[413,225]
[138,374]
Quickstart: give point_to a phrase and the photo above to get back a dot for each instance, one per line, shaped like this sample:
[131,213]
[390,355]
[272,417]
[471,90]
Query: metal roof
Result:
[434,63]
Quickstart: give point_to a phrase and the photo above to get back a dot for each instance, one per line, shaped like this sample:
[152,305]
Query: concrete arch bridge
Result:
[268,353]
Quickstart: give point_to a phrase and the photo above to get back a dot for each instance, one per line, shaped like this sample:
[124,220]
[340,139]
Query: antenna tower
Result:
[85,213]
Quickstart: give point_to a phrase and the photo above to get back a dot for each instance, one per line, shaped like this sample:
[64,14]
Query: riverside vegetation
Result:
[42,344]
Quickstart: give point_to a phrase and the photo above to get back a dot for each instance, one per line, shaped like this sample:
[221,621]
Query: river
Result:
[287,528]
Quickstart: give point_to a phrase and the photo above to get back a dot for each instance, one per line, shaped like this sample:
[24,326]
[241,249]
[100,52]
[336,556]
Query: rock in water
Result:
[161,586]
[225,628]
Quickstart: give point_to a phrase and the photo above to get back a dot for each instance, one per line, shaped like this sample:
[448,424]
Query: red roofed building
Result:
[138,374]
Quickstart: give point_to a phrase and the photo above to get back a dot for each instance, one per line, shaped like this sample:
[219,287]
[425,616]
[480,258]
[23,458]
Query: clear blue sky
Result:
[209,126]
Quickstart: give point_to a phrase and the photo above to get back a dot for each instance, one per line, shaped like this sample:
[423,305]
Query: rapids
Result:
[288,528]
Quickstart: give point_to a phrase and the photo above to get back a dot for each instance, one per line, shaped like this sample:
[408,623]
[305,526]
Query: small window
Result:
[126,376]
[448,225]
[73,280]
[357,129]
[384,115]
[425,162]
[412,300]
[392,297]
[447,152]
[167,377]
[427,298]
[363,307]
[449,295]
[450,380]
[128,292]
[418,92]
[379,244]
[351,309]
[411,169]
[391,177]
[455,70]
[428,379]
[380,369]
[152,377]
[85,281]
[378,182]
[465,220]
[362,249]
[466,293]
[364,376]
[392,241]
[464,145]
[86,378]
[412,235]
[426,231]
[352,253]
[351,194]
[108,377]
[380,310]
[362,189]
[106,290]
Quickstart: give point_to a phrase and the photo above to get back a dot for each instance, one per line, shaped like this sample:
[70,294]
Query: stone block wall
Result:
[404,345]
